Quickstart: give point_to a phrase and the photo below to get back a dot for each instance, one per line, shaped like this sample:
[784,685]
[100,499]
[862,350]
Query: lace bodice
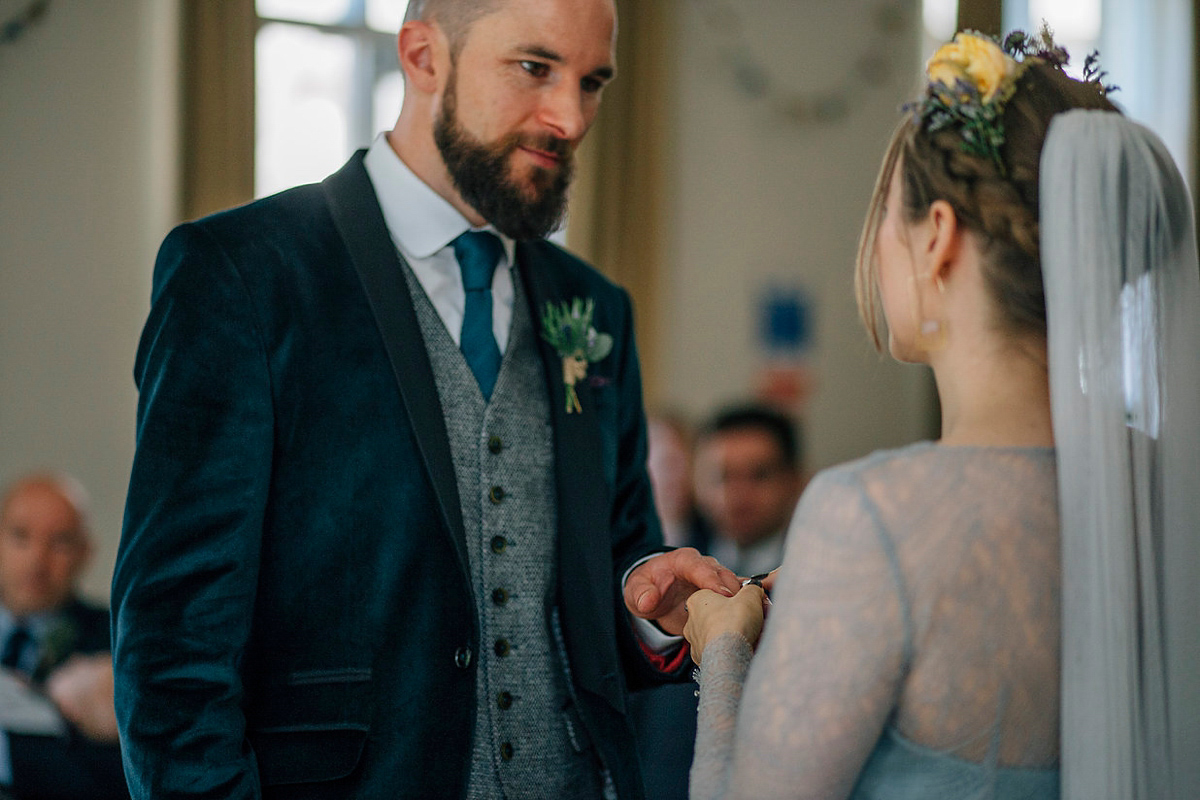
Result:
[919,594]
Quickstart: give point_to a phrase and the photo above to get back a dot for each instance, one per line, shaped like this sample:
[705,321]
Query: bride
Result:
[944,609]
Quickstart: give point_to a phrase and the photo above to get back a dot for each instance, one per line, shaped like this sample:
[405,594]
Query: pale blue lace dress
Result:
[912,650]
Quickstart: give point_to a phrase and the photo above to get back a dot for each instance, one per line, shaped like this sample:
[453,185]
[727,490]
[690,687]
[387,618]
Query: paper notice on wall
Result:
[24,710]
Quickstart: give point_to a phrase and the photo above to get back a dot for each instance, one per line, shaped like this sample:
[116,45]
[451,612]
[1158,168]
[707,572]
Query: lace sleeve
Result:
[827,672]
[726,660]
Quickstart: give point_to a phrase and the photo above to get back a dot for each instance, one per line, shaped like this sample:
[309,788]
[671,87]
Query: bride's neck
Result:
[994,393]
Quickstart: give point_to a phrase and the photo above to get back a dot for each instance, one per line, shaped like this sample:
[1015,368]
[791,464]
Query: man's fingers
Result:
[647,599]
[711,575]
[728,580]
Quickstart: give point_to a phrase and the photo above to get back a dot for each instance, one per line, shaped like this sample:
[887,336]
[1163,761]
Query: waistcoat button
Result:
[462,658]
[499,596]
[506,751]
[495,444]
[496,494]
[498,544]
[504,700]
[501,647]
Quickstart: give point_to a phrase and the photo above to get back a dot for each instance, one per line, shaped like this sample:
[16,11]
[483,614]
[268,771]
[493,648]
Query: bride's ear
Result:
[943,241]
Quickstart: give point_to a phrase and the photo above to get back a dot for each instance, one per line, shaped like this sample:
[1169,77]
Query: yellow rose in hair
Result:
[975,59]
[988,66]
[944,69]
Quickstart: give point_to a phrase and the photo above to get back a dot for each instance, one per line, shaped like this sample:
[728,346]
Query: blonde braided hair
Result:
[999,204]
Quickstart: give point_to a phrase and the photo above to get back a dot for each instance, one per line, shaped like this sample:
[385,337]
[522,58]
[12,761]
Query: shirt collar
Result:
[420,221]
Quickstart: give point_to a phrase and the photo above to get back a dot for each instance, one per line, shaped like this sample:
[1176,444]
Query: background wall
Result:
[87,190]
[762,196]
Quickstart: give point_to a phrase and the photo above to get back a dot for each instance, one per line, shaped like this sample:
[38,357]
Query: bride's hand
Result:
[711,614]
[768,582]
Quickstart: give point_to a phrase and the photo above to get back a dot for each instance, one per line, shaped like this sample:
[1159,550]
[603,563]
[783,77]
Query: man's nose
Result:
[40,558]
[565,112]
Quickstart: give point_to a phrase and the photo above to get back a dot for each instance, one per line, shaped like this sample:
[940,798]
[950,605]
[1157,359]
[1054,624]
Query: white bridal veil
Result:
[1123,306]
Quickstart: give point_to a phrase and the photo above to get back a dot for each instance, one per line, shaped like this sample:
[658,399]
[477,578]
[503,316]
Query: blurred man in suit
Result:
[748,477]
[56,644]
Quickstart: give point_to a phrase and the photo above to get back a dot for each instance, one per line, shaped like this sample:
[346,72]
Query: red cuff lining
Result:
[669,661]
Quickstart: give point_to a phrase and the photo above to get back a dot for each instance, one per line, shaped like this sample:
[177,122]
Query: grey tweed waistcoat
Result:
[527,742]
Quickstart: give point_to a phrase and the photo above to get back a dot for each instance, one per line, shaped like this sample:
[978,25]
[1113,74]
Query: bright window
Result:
[941,22]
[1076,24]
[326,82]
[1146,47]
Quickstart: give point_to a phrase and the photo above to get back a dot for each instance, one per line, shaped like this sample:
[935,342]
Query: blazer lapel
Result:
[359,220]
[584,507]
[576,435]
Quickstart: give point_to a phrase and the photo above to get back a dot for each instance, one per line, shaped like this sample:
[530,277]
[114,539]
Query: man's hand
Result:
[82,689]
[658,589]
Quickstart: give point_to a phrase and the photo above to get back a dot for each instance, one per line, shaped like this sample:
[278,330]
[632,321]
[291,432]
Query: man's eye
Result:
[592,85]
[536,68]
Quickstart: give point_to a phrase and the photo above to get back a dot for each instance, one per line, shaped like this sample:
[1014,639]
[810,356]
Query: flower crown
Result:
[970,80]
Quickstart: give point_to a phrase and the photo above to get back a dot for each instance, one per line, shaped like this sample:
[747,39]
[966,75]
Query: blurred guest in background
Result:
[748,476]
[53,646]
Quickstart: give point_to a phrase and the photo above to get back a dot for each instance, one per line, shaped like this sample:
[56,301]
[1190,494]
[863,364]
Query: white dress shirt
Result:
[423,225]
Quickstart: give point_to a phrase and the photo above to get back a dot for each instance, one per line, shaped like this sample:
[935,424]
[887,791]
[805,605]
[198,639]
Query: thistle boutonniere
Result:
[568,329]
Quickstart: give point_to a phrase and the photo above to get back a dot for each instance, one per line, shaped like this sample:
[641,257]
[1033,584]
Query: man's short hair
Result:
[454,17]
[757,417]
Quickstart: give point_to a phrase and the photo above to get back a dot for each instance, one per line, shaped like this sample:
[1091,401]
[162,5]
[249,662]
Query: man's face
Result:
[522,92]
[42,550]
[743,484]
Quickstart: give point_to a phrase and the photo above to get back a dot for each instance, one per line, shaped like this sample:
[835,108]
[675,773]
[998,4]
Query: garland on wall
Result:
[19,24]
[888,20]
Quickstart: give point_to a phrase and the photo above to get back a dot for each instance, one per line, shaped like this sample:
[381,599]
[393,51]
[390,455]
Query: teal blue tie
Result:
[477,253]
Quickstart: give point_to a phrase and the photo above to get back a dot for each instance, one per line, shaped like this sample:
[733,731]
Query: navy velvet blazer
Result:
[293,615]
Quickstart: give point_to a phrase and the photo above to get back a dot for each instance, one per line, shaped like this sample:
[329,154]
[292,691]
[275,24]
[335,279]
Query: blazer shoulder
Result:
[286,213]
[262,242]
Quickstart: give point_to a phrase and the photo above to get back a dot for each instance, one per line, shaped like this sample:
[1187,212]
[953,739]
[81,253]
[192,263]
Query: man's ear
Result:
[416,46]
[943,240]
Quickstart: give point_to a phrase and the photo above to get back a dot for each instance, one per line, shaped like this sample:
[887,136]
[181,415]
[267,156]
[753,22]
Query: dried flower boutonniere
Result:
[568,329]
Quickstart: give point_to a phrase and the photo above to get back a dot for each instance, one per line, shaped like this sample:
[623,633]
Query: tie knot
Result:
[477,253]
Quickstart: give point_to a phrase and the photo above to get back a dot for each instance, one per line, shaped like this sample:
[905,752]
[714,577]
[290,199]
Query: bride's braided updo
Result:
[996,201]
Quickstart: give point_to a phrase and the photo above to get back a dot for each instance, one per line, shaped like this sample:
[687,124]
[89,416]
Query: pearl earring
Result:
[932,333]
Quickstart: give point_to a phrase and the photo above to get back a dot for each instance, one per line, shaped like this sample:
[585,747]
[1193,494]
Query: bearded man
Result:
[376,544]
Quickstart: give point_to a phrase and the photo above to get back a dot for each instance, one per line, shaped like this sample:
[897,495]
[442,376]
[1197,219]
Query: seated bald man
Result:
[56,644]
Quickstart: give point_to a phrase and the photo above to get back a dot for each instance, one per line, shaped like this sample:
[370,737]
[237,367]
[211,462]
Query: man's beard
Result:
[482,174]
